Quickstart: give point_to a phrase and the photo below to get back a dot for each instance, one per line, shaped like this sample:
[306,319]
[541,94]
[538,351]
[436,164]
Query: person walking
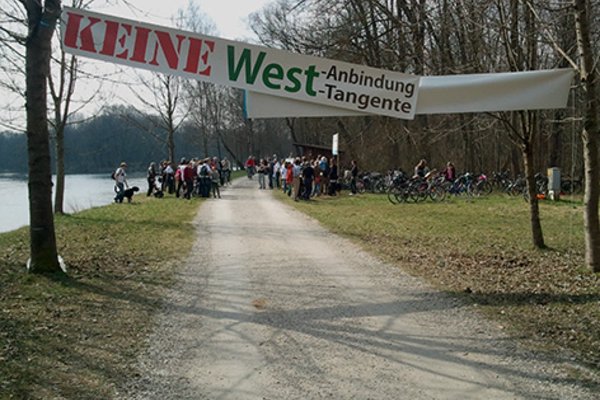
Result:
[308,174]
[188,174]
[168,184]
[120,177]
[250,166]
[262,171]
[226,171]
[204,178]
[151,178]
[317,180]
[297,174]
[324,173]
[215,178]
[333,177]
[289,178]
[179,178]
[276,176]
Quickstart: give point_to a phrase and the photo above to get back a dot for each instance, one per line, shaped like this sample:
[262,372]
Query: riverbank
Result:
[81,192]
[76,337]
[481,252]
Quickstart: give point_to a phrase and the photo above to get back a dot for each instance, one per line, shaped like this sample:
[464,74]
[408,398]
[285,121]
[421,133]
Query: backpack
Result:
[204,171]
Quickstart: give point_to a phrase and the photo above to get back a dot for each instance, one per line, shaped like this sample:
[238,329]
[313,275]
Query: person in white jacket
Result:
[120,176]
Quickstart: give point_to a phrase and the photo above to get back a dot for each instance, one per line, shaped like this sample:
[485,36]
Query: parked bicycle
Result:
[374,182]
[570,185]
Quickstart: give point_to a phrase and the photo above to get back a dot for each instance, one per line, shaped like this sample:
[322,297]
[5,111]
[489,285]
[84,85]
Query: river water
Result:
[81,192]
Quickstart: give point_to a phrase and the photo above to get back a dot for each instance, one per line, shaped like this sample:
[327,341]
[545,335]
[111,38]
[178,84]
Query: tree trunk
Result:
[590,136]
[555,143]
[171,145]
[233,154]
[291,124]
[44,255]
[537,234]
[250,136]
[61,101]
[205,143]
[515,162]
[59,190]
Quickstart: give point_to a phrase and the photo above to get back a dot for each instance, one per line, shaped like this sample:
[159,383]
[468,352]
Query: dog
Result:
[128,193]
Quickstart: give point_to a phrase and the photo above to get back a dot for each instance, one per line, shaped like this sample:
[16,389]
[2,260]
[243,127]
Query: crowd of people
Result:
[300,177]
[194,177]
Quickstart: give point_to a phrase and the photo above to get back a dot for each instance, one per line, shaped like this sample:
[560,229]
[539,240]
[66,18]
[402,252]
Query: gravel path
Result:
[272,306]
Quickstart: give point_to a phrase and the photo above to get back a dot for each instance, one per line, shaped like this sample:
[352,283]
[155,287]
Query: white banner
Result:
[272,72]
[531,90]
[334,144]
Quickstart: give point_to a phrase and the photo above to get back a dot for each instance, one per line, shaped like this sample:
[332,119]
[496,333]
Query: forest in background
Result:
[433,37]
[441,37]
[122,134]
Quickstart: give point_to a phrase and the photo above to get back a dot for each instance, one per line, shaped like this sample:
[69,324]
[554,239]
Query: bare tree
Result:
[62,88]
[13,28]
[61,82]
[205,102]
[584,11]
[161,94]
[61,98]
[199,104]
[520,48]
[41,21]
[591,131]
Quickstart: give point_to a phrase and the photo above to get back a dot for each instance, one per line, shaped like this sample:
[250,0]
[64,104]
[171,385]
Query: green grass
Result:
[77,336]
[481,250]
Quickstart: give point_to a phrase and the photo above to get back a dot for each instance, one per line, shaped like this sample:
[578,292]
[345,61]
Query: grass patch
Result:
[77,337]
[481,250]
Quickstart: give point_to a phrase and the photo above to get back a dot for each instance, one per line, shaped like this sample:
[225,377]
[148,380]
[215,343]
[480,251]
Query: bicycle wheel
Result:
[379,186]
[419,191]
[437,193]
[403,195]
[360,186]
[517,190]
[471,190]
[391,195]
[485,188]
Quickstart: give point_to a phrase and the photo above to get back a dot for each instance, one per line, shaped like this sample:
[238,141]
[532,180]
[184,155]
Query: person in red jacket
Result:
[180,183]
[250,166]
[289,178]
[188,178]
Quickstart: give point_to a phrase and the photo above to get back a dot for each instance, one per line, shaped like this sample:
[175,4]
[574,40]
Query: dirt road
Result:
[272,306]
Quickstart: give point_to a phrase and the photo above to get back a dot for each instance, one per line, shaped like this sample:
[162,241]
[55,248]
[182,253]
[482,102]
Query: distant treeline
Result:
[100,144]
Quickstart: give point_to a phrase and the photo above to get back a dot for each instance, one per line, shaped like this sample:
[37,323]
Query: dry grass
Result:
[76,337]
